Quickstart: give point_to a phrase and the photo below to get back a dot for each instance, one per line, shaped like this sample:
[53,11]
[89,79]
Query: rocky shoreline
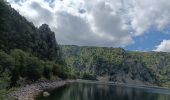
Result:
[29,92]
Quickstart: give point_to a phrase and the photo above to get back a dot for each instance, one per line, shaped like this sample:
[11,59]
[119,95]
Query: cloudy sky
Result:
[132,24]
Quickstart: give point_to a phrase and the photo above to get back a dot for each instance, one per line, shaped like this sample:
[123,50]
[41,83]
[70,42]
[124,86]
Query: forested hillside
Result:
[119,65]
[27,53]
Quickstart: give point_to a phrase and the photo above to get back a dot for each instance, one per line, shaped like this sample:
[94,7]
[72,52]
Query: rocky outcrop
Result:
[48,47]
[132,72]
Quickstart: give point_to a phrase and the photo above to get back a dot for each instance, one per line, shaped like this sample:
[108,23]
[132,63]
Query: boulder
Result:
[46,94]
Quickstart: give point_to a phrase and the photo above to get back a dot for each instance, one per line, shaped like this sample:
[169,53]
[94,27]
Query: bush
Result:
[20,64]
[88,76]
[33,69]
[60,71]
[6,62]
[47,71]
[6,67]
[25,66]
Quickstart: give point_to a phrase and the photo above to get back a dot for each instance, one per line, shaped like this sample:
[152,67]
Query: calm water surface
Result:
[95,91]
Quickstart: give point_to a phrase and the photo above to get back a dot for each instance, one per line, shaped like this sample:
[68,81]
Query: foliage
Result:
[17,33]
[48,71]
[93,59]
[27,53]
[6,62]
[19,64]
[88,76]
[60,71]
[153,67]
[33,68]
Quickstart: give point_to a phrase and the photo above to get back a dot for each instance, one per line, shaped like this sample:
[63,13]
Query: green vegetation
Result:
[27,53]
[92,59]
[120,65]
[19,65]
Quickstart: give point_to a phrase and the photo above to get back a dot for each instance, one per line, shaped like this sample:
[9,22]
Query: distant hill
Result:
[119,65]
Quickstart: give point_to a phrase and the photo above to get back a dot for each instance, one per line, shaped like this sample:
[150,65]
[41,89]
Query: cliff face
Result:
[132,73]
[119,65]
[48,47]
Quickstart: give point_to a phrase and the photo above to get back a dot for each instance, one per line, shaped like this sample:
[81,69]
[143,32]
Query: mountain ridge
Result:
[119,65]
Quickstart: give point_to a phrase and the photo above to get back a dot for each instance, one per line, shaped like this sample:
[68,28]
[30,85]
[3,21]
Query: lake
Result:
[98,91]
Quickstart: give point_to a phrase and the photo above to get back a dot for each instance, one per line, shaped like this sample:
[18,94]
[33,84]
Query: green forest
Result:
[29,54]
[118,65]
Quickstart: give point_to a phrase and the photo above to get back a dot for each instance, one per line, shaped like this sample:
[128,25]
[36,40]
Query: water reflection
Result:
[90,91]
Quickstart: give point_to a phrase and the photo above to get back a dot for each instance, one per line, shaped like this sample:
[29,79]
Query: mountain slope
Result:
[119,65]
[17,32]
[27,53]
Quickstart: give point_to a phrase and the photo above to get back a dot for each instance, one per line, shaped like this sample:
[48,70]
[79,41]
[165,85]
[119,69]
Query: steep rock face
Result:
[132,72]
[48,48]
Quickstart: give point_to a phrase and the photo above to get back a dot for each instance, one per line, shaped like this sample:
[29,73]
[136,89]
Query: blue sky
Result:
[142,25]
[149,40]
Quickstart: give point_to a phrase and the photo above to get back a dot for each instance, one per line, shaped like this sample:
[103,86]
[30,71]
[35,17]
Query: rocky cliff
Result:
[119,65]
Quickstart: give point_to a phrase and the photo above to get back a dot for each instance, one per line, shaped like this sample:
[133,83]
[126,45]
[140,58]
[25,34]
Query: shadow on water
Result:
[90,91]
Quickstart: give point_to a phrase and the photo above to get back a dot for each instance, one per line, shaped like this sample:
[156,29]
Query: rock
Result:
[46,94]
[132,72]
[29,92]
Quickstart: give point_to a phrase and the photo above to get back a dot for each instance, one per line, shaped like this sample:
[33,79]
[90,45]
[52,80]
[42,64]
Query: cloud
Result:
[36,11]
[98,23]
[75,30]
[150,13]
[163,46]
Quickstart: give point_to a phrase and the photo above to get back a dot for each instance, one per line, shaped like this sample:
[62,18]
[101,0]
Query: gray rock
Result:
[46,94]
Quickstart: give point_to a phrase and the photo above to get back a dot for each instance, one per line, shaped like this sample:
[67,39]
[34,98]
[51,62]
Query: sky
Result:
[141,25]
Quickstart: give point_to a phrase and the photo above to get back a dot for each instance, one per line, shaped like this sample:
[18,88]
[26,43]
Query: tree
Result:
[33,68]
[26,65]
[14,77]
[6,62]
[47,72]
[60,71]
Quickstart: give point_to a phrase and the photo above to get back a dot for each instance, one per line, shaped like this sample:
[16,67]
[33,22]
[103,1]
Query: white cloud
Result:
[150,13]
[36,11]
[96,22]
[75,30]
[163,46]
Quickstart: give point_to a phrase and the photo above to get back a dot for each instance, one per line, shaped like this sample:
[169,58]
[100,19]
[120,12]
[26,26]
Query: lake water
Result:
[97,91]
